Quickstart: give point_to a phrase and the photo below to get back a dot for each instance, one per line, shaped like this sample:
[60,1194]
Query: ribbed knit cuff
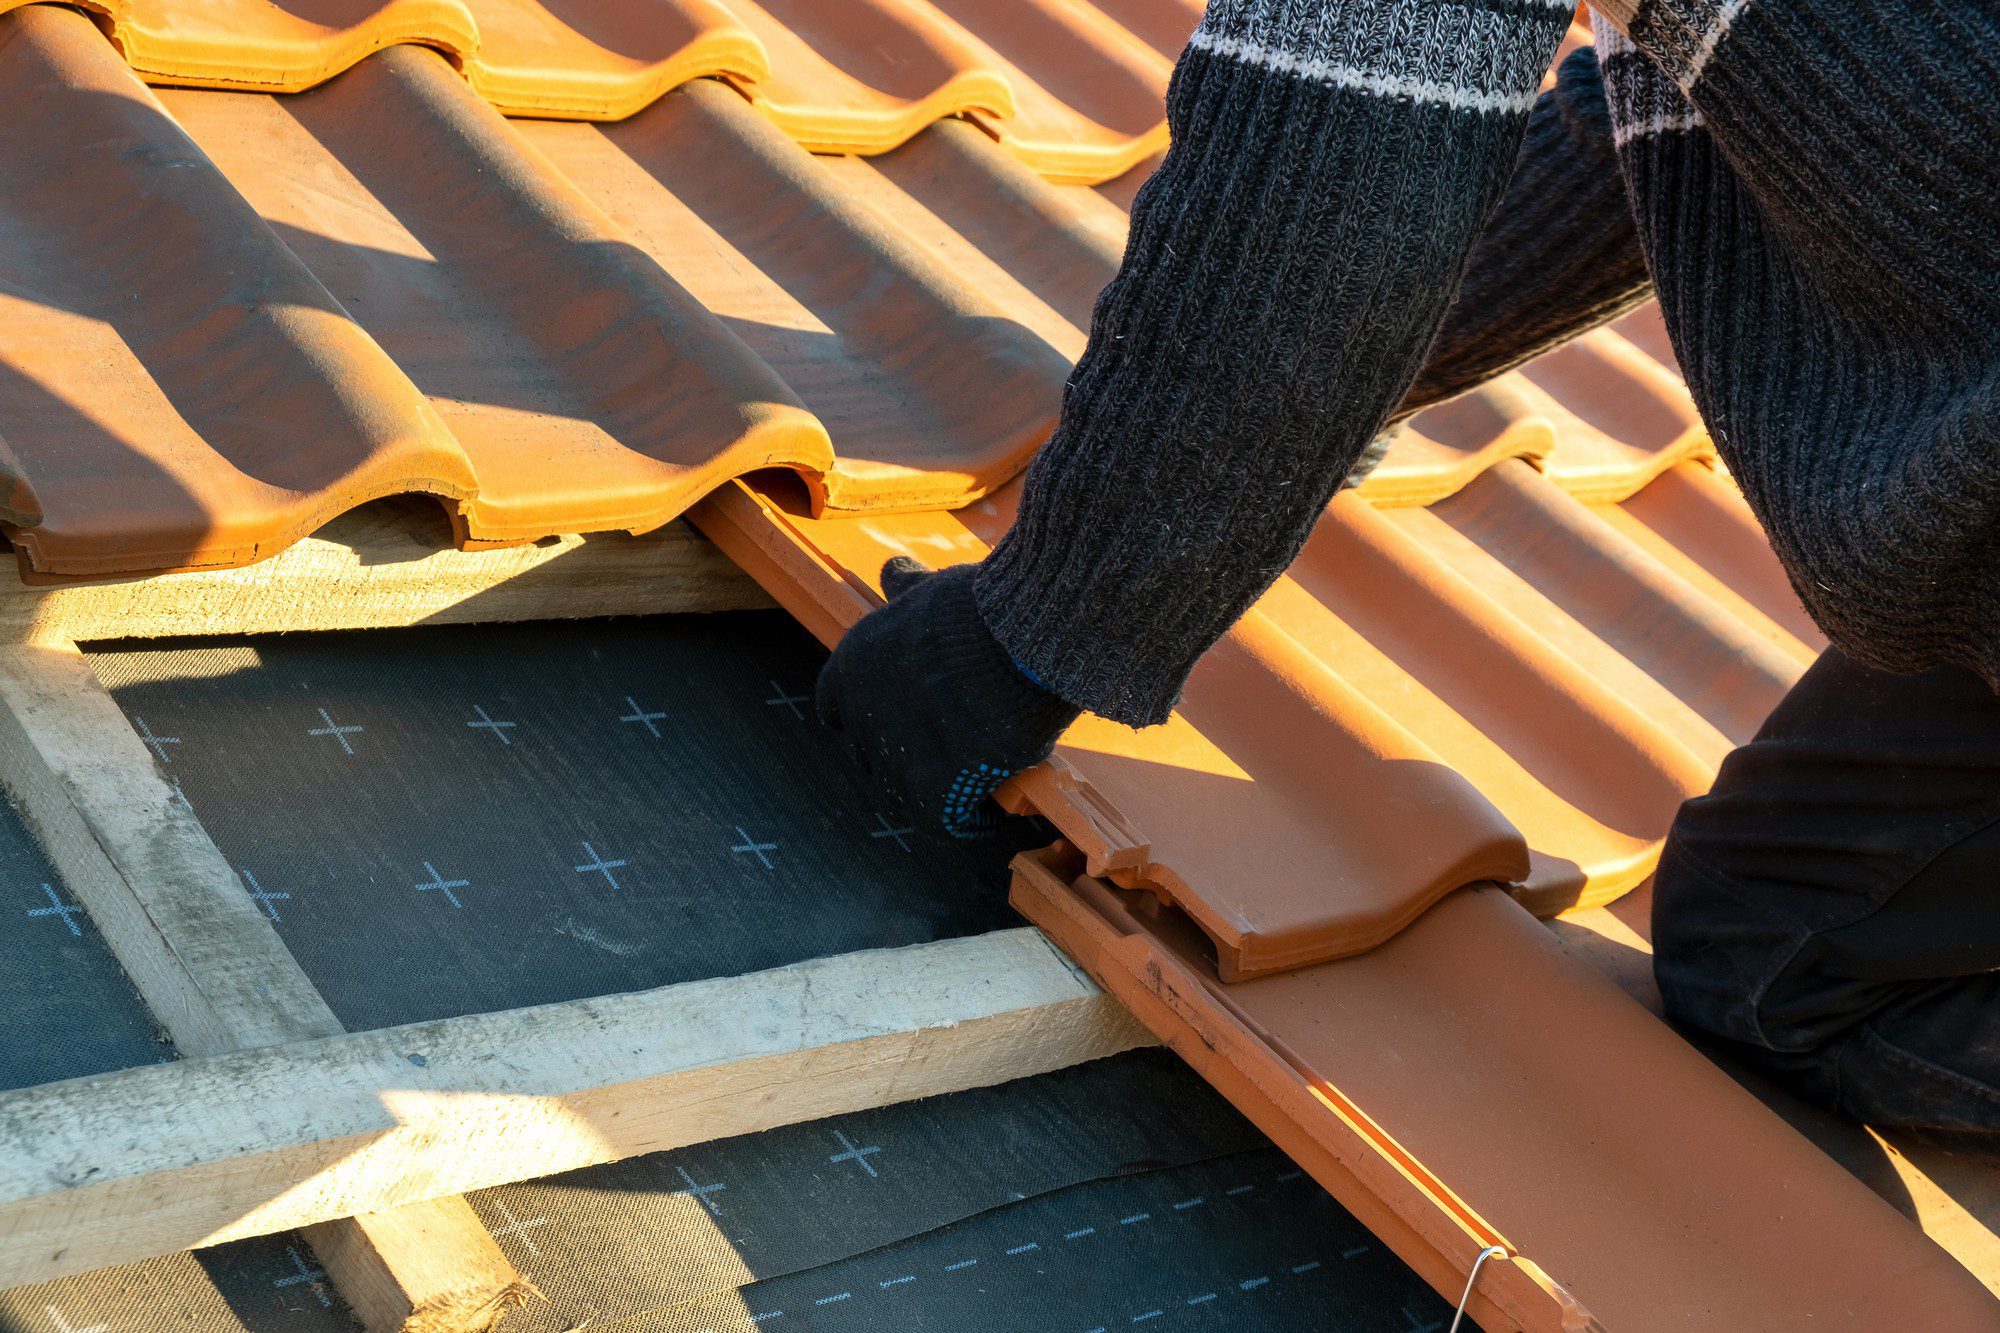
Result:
[980,672]
[1287,269]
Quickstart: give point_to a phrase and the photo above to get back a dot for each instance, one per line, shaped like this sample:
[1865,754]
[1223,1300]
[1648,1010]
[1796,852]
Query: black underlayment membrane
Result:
[451,820]
[65,1005]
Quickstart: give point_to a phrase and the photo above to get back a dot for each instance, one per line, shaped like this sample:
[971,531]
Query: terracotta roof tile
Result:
[1505,660]
[1070,90]
[561,57]
[164,355]
[931,394]
[1470,1083]
[1089,96]
[863,77]
[707,273]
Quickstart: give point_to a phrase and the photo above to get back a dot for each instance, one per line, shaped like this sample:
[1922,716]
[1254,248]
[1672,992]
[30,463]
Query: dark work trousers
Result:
[1832,908]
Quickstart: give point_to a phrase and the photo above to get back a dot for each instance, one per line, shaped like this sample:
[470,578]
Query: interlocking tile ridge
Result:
[1065,87]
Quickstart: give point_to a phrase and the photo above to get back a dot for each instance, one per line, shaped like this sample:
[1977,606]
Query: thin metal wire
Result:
[1491,1251]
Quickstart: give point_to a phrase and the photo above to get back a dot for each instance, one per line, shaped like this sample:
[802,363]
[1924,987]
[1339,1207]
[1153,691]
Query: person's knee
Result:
[1717,949]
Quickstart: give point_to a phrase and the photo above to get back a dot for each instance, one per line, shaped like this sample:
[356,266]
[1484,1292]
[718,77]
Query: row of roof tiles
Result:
[1068,86]
[232,315]
[1524,684]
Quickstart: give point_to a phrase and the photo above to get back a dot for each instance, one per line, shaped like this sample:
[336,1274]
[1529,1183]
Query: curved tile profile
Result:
[588,58]
[590,390]
[1471,1084]
[1039,250]
[604,59]
[236,315]
[1090,98]
[1699,516]
[1533,682]
[866,75]
[1440,450]
[272,45]
[1072,91]
[932,394]
[178,388]
[1727,668]
[1620,417]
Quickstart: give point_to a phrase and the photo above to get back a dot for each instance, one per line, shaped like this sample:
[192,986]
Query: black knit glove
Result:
[931,706]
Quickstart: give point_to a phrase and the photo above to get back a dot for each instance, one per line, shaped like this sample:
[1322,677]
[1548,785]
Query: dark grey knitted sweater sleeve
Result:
[1289,266]
[1817,188]
[1560,256]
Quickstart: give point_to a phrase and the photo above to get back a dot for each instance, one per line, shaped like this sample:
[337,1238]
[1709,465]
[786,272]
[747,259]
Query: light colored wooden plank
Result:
[390,564]
[425,1268]
[205,960]
[207,963]
[126,1165]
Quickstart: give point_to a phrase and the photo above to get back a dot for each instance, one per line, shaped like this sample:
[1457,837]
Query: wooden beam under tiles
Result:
[392,564]
[210,967]
[122,1166]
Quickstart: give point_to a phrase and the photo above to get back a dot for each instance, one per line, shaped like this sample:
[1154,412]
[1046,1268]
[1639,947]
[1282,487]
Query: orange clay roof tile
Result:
[1502,661]
[558,327]
[1089,96]
[162,353]
[1070,90]
[865,76]
[557,57]
[1470,1084]
[931,394]
[1164,25]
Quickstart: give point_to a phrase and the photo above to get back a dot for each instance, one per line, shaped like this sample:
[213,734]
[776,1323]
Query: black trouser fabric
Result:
[1831,909]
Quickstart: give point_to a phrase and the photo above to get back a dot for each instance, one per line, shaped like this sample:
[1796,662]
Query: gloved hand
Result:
[930,704]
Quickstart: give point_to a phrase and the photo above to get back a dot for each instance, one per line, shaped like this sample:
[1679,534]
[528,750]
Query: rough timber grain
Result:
[210,967]
[145,1161]
[388,565]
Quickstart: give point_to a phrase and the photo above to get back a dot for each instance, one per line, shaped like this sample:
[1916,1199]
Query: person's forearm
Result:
[1561,255]
[1288,268]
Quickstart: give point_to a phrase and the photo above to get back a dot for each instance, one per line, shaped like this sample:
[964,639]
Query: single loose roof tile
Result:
[1517,684]
[1469,1084]
[1240,808]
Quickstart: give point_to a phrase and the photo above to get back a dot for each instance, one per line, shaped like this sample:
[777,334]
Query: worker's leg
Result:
[1832,907]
